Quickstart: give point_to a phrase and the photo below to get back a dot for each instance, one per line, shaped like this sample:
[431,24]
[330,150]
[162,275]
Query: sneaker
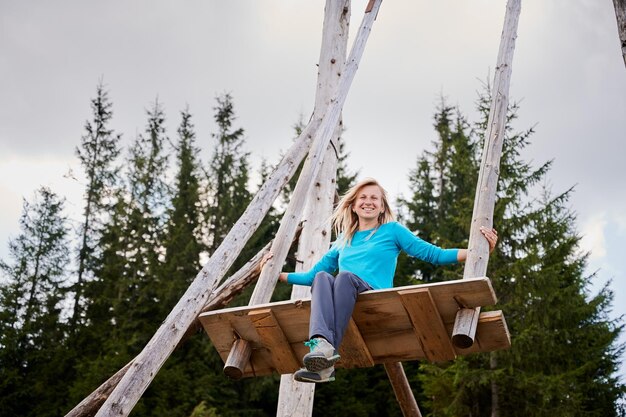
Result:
[325,375]
[322,355]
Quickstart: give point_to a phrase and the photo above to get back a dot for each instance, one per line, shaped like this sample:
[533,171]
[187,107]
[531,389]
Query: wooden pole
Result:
[295,398]
[218,299]
[478,249]
[620,14]
[402,389]
[149,361]
[267,281]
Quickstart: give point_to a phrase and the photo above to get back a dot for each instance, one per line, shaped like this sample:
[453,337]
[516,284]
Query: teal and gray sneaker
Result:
[322,355]
[325,375]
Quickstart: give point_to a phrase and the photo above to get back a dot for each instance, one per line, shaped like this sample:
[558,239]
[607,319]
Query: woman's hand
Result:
[491,236]
[269,255]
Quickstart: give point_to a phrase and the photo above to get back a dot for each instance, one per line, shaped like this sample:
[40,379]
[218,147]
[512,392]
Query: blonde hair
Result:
[346,222]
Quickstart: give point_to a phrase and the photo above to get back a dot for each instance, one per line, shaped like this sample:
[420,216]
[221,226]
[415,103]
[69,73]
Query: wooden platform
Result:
[398,324]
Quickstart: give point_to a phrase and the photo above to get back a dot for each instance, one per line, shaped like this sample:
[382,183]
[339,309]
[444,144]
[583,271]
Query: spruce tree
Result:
[564,348]
[143,230]
[33,286]
[439,208]
[97,154]
[123,300]
[227,194]
[181,241]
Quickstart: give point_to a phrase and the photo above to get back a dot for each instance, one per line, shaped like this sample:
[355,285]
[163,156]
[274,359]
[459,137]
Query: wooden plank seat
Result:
[391,325]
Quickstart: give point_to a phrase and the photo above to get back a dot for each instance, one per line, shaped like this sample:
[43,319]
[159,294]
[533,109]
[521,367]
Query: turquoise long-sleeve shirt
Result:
[373,257]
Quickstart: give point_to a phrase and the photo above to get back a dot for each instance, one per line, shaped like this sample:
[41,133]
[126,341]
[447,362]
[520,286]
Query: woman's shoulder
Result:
[391,227]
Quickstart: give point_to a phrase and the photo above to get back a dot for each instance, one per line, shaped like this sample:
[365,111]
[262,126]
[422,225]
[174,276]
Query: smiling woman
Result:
[364,256]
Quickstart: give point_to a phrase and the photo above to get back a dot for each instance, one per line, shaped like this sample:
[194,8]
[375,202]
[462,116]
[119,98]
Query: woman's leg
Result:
[347,287]
[322,321]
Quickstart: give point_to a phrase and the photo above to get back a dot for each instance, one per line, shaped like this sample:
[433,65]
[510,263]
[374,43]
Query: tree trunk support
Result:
[295,398]
[267,281]
[402,389]
[466,321]
[218,299]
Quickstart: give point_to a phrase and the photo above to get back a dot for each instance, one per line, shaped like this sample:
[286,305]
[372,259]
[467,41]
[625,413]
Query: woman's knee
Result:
[344,278]
[322,276]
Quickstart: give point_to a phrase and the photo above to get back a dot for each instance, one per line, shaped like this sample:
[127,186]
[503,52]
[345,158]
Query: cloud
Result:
[594,239]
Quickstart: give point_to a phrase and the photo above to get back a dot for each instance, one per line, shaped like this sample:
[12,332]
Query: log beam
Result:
[267,280]
[484,201]
[295,398]
[402,389]
[228,290]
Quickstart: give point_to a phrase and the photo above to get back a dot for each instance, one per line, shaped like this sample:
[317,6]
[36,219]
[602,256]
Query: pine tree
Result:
[439,209]
[123,300]
[97,154]
[181,242]
[143,229]
[228,175]
[32,331]
[564,353]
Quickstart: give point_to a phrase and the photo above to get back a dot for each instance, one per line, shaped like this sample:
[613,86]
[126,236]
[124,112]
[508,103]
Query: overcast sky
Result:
[568,74]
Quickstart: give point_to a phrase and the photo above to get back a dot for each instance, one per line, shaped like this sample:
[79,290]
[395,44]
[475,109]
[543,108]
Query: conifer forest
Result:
[81,296]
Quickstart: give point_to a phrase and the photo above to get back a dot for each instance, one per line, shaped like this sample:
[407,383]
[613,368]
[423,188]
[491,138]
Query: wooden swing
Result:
[435,321]
[392,325]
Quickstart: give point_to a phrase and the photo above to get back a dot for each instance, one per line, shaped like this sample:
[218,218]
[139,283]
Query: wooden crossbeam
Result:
[273,337]
[427,324]
[354,352]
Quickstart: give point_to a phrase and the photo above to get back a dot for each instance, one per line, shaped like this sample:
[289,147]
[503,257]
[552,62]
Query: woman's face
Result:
[368,204]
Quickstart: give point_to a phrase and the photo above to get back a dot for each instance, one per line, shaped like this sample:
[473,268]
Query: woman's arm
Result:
[328,262]
[490,235]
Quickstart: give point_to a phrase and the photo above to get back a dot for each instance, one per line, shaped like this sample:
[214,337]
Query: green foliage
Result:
[564,352]
[228,175]
[182,239]
[140,244]
[97,153]
[32,289]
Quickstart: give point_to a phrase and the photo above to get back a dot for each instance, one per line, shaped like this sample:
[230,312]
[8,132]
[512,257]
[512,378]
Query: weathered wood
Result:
[272,336]
[91,403]
[241,349]
[354,352]
[149,361]
[484,201]
[294,398]
[620,14]
[382,321]
[267,280]
[402,389]
[228,290]
[428,325]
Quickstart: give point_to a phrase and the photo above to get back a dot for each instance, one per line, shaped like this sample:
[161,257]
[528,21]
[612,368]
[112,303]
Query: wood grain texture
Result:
[381,319]
[273,338]
[354,352]
[428,325]
[485,198]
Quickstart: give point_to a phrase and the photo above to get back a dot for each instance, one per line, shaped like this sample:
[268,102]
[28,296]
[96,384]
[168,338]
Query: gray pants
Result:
[332,302]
